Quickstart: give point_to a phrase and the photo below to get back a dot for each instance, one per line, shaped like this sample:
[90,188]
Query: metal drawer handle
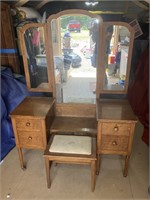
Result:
[116,128]
[28,124]
[30,138]
[114,143]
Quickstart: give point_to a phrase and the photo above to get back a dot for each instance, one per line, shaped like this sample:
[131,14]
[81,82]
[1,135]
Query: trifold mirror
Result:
[77,56]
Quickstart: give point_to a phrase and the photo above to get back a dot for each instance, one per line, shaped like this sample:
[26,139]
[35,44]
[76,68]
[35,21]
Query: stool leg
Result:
[47,166]
[92,175]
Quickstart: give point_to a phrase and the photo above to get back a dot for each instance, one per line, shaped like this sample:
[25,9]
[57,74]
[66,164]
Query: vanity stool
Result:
[71,149]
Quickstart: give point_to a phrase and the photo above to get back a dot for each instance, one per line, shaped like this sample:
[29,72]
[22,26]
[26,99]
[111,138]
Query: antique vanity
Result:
[88,98]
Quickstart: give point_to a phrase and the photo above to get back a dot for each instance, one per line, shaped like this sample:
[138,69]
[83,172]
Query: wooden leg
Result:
[98,164]
[125,172]
[21,158]
[47,166]
[93,175]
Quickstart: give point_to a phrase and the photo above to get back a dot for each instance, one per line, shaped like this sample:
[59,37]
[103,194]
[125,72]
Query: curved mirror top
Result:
[116,56]
[75,50]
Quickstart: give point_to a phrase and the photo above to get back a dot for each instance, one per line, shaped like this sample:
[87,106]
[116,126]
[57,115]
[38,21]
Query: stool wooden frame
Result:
[72,159]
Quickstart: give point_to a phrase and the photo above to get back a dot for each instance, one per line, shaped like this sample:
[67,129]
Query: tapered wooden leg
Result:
[125,172]
[98,164]
[93,175]
[21,158]
[47,166]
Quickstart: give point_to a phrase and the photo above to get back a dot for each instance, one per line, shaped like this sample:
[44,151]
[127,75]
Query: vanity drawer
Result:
[29,139]
[114,143]
[28,124]
[116,129]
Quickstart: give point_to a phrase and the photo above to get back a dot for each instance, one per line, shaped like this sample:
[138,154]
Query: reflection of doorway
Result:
[80,84]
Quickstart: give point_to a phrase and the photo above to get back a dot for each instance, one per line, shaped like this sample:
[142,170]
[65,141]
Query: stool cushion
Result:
[71,144]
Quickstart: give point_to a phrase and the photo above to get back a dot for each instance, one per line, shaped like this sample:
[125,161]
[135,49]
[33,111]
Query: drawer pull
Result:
[30,138]
[116,128]
[28,124]
[114,143]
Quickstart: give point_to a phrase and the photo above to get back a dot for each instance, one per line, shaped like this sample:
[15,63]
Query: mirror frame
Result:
[50,47]
[26,67]
[101,75]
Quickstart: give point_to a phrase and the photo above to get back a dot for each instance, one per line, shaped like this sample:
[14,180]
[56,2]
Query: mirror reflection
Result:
[36,57]
[117,39]
[75,39]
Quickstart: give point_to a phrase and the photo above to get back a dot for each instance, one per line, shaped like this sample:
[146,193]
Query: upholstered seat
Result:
[71,144]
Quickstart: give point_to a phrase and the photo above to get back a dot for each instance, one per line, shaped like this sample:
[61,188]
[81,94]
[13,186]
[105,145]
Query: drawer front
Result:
[29,139]
[28,124]
[114,143]
[116,129]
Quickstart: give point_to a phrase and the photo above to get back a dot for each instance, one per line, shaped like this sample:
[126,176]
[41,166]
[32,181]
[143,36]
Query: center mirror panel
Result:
[75,51]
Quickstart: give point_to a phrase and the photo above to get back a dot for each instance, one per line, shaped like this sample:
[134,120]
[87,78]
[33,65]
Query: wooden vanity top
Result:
[110,109]
[33,106]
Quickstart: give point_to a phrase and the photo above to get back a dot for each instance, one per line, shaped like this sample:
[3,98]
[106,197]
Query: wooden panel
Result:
[8,39]
[75,125]
[76,110]
[10,60]
[50,118]
[2,44]
[116,129]
[4,60]
[6,25]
